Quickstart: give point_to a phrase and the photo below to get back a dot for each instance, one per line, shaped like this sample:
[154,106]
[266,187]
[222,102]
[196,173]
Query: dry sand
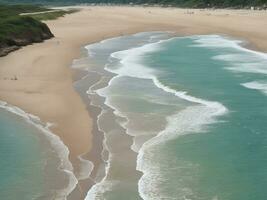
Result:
[45,86]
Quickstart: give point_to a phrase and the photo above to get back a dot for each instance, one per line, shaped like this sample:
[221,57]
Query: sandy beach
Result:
[44,85]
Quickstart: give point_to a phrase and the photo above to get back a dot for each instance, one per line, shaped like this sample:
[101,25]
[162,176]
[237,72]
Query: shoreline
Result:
[45,79]
[55,143]
[221,110]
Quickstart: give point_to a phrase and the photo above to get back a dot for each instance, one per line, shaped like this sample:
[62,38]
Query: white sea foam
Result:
[257,85]
[256,68]
[237,57]
[218,41]
[56,143]
[93,46]
[215,41]
[242,60]
[192,119]
[86,168]
[129,61]
[195,118]
[245,62]
[97,191]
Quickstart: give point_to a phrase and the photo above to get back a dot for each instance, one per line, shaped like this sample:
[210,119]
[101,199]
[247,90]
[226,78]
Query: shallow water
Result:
[226,158]
[183,118]
[31,168]
[21,160]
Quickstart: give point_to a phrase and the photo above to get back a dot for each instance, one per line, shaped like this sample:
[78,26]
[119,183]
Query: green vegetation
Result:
[8,11]
[181,3]
[208,3]
[21,25]
[51,15]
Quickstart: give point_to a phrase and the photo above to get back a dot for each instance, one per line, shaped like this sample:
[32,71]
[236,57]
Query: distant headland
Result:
[21,25]
[237,4]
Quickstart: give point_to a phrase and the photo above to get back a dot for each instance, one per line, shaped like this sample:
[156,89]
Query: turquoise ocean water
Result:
[32,160]
[21,160]
[184,118]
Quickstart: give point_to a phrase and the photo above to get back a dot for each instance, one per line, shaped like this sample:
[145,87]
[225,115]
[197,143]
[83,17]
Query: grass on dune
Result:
[52,15]
[7,11]
[15,26]
[17,30]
